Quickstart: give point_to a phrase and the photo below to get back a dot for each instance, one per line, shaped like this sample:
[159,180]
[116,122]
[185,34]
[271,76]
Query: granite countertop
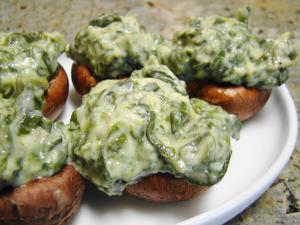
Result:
[281,203]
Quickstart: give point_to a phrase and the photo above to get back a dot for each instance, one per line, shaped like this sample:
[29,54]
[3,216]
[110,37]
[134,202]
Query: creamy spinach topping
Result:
[224,50]
[213,48]
[127,129]
[27,60]
[113,45]
[31,146]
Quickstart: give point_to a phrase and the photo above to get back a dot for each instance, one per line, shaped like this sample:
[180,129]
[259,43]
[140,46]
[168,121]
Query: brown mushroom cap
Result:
[82,79]
[56,94]
[162,188]
[241,101]
[45,201]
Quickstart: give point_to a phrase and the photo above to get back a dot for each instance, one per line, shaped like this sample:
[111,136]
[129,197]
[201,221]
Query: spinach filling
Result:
[127,129]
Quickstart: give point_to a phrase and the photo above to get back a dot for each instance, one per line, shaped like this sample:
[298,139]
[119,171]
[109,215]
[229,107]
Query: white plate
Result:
[265,146]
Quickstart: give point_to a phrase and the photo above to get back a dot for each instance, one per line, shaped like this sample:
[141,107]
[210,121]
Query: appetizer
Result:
[36,187]
[110,47]
[144,135]
[225,64]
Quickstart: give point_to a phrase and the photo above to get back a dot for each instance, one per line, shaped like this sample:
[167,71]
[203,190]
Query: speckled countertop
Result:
[281,203]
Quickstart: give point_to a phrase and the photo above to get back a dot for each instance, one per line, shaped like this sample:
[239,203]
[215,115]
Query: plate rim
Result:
[236,205]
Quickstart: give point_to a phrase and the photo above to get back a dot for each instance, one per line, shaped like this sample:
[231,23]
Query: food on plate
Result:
[219,58]
[36,185]
[144,135]
[227,65]
[110,47]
